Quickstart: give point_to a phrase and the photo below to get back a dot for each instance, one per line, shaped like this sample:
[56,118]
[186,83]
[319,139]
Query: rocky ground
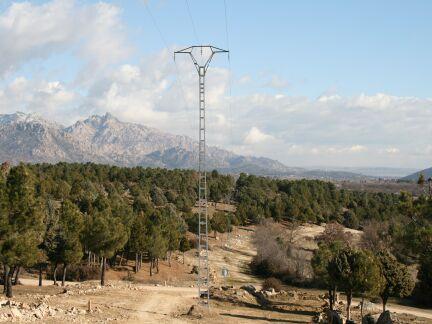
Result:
[170,296]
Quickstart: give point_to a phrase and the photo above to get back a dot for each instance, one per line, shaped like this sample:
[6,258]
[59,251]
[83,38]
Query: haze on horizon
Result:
[329,84]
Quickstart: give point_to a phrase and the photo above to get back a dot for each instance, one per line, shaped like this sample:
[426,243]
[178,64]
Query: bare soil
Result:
[167,297]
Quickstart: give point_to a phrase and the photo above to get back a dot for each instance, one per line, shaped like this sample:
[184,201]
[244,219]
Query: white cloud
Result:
[29,31]
[255,136]
[358,148]
[392,150]
[50,99]
[333,129]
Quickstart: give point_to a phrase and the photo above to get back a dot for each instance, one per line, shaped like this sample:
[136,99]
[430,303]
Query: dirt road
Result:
[165,304]
[126,302]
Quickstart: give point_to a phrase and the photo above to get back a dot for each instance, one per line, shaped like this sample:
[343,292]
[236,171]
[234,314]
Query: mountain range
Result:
[107,140]
[414,177]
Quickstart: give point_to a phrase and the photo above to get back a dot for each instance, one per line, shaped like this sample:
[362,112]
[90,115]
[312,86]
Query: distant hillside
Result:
[107,140]
[414,177]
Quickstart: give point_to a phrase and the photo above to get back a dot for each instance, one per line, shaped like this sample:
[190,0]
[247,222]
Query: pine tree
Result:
[24,224]
[397,280]
[354,271]
[138,238]
[421,179]
[104,235]
[174,227]
[320,261]
[71,223]
[157,246]
[184,246]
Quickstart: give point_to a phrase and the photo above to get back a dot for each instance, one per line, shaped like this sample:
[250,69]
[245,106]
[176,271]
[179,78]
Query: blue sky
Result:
[317,46]
[348,47]
[336,83]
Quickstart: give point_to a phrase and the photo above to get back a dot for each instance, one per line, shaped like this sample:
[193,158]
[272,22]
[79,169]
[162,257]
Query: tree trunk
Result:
[136,262]
[349,299]
[16,281]
[169,258]
[361,309]
[55,273]
[384,301]
[5,274]
[121,259]
[157,265]
[151,267]
[64,274]
[330,292]
[9,293]
[103,272]
[89,258]
[40,275]
[141,257]
[6,270]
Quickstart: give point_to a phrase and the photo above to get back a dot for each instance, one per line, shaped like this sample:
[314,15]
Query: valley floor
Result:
[167,297]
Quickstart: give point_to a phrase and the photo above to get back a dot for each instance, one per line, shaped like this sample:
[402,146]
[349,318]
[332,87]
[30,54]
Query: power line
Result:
[177,70]
[230,117]
[156,25]
[192,22]
[226,24]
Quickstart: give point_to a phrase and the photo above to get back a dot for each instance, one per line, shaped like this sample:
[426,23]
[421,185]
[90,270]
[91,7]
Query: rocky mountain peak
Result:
[105,139]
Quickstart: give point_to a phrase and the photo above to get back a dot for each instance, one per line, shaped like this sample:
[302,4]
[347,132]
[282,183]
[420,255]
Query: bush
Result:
[272,282]
[75,273]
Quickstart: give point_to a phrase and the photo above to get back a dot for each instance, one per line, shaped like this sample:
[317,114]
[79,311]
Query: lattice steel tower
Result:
[201,57]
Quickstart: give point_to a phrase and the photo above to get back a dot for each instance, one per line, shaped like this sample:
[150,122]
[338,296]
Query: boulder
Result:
[270,292]
[334,317]
[368,319]
[249,288]
[15,312]
[386,318]
[293,294]
[319,318]
[198,312]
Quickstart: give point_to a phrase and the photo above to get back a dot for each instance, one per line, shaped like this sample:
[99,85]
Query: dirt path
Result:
[163,304]
[235,253]
[125,302]
[425,313]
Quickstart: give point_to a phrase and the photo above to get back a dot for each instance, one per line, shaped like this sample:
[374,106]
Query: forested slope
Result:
[66,213]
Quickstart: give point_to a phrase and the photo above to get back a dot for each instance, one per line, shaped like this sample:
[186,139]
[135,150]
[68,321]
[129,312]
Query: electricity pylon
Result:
[201,57]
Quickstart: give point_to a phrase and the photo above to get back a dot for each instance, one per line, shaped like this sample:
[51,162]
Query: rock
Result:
[270,292]
[38,314]
[319,318]
[386,318]
[15,312]
[334,317]
[293,294]
[196,311]
[249,288]
[368,319]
